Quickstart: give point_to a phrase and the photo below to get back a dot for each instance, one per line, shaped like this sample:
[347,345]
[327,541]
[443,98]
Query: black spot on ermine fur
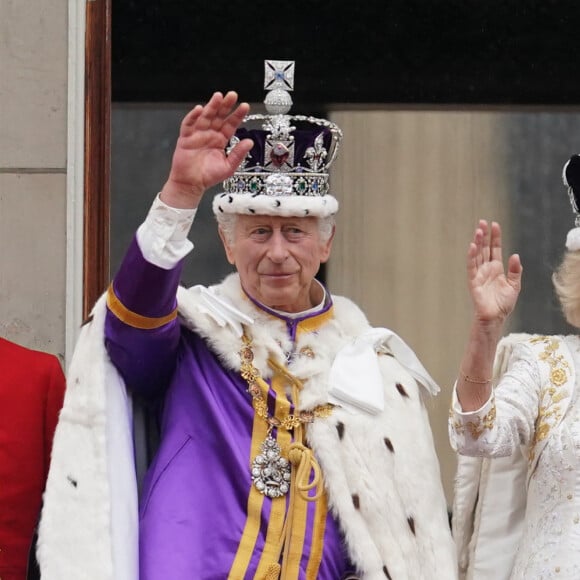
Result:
[401,390]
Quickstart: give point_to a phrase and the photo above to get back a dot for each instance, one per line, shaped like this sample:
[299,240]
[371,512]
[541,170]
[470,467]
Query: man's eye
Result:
[294,234]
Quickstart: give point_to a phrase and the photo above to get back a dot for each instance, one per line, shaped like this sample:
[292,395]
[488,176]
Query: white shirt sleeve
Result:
[162,237]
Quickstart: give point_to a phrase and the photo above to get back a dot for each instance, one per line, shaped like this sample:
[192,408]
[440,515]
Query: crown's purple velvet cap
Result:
[303,139]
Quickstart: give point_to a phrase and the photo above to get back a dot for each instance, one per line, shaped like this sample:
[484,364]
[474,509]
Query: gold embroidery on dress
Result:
[550,412]
[477,427]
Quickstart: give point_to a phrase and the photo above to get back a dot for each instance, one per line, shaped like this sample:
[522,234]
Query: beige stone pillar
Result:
[412,185]
[33,130]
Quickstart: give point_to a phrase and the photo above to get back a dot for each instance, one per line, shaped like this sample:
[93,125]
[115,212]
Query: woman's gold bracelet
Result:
[475,380]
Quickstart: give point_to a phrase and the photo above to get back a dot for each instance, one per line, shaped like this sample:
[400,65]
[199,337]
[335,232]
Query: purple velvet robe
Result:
[194,502]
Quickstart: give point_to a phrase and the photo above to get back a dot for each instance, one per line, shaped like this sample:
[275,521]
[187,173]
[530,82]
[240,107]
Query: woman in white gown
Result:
[527,421]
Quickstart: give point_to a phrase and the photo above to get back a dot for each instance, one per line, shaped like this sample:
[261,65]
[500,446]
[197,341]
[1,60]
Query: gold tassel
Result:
[273,572]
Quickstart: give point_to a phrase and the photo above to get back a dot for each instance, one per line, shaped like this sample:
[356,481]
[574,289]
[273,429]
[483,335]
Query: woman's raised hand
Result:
[494,291]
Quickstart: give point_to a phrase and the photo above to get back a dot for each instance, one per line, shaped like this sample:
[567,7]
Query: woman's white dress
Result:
[535,407]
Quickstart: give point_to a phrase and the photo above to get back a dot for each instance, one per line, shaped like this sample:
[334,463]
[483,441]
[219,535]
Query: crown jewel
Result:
[291,155]
[571,178]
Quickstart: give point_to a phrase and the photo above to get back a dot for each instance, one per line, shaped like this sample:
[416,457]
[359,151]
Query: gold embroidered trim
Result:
[477,427]
[550,411]
[132,318]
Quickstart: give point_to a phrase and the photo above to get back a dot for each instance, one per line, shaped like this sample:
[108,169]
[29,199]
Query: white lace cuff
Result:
[162,237]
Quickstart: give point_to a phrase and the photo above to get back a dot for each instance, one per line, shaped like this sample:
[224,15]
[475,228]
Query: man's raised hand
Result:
[199,160]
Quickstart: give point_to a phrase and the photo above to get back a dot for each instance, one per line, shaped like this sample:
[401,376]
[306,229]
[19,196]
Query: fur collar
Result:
[270,337]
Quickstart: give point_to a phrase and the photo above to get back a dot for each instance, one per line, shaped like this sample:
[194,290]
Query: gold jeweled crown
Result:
[287,170]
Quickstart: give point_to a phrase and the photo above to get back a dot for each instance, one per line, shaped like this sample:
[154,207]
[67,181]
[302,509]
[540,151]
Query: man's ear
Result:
[227,247]
[327,247]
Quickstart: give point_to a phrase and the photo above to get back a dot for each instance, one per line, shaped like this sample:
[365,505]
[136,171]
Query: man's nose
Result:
[278,248]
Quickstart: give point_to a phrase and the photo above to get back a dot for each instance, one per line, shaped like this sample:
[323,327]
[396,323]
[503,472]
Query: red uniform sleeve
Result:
[54,400]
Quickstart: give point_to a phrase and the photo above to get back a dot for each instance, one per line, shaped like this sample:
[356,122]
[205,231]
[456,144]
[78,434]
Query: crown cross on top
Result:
[291,154]
[279,74]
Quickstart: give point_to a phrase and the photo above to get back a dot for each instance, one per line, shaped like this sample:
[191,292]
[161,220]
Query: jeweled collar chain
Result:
[271,473]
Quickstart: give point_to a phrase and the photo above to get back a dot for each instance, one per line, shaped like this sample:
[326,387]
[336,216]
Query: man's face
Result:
[277,258]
